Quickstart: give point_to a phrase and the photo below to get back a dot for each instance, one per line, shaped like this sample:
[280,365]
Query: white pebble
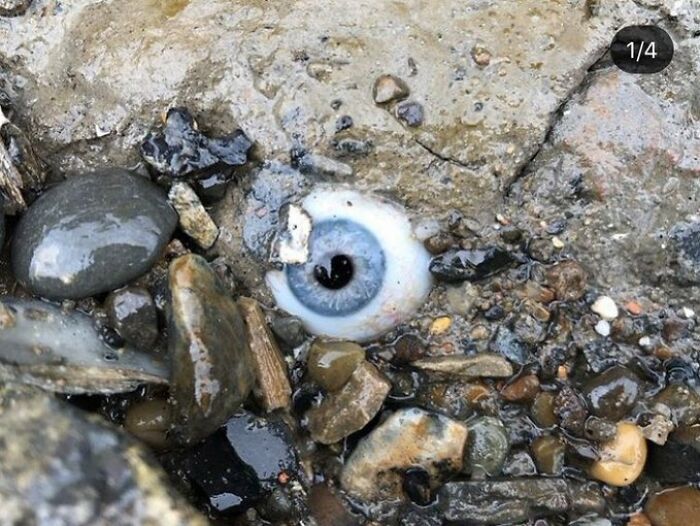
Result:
[645,342]
[687,313]
[605,307]
[602,328]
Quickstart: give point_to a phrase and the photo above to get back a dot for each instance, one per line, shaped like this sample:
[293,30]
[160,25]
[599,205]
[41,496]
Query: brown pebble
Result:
[388,88]
[439,243]
[639,519]
[523,389]
[148,421]
[481,56]
[568,279]
[676,507]
[327,508]
[548,452]
[543,410]
[634,308]
[409,348]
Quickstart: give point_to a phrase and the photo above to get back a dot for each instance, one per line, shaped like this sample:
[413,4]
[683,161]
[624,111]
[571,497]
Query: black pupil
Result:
[336,273]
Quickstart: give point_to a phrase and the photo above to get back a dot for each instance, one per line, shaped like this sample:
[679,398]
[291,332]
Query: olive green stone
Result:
[549,454]
[330,363]
[487,447]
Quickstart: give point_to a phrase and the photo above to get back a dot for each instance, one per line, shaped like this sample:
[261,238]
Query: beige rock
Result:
[351,408]
[272,382]
[481,365]
[408,438]
[194,219]
[622,459]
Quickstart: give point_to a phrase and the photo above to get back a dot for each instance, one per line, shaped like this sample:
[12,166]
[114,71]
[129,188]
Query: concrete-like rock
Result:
[408,438]
[91,234]
[65,467]
[212,370]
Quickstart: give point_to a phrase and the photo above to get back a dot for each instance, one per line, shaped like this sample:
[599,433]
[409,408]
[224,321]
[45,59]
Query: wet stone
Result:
[543,410]
[212,188]
[148,420]
[409,348]
[131,311]
[42,345]
[90,234]
[599,429]
[519,464]
[516,500]
[484,365]
[570,410]
[469,265]
[622,459]
[289,330]
[507,344]
[524,389]
[683,403]
[351,408]
[548,452]
[181,150]
[331,363]
[67,467]
[416,485]
[212,372]
[194,219]
[675,507]
[613,393]
[410,113]
[388,88]
[328,509]
[487,447]
[409,438]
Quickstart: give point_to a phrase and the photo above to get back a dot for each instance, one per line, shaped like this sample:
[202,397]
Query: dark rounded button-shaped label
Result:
[641,49]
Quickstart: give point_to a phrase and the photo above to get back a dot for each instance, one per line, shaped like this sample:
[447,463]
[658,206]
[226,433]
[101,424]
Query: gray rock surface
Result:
[61,351]
[63,467]
[91,234]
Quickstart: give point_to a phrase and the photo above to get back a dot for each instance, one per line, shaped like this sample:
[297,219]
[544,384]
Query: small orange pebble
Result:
[562,372]
[633,307]
[663,353]
[477,392]
[440,325]
[638,519]
[283,477]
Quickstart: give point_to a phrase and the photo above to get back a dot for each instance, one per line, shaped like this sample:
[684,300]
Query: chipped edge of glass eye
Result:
[291,242]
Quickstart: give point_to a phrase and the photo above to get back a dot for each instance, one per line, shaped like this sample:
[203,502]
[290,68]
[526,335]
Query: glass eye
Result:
[365,272]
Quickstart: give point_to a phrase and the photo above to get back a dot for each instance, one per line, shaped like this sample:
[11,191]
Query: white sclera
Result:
[407,281]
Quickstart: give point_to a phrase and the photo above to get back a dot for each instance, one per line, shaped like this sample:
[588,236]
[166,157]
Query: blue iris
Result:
[345,270]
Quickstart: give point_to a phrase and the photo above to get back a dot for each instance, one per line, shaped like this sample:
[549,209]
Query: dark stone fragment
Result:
[613,393]
[416,484]
[508,345]
[289,330]
[470,265]
[516,500]
[181,150]
[219,476]
[212,188]
[601,354]
[132,313]
[570,410]
[599,429]
[343,123]
[410,113]
[680,371]
[90,234]
[350,146]
[409,348]
[685,239]
[673,463]
[495,313]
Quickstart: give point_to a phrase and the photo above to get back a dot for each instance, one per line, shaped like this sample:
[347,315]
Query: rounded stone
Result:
[622,459]
[487,447]
[91,234]
[132,312]
[674,507]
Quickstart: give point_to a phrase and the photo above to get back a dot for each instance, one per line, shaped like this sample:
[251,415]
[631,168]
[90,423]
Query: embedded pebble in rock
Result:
[272,387]
[309,163]
[674,507]
[148,420]
[519,464]
[14,7]
[408,438]
[42,345]
[509,345]
[410,113]
[487,447]
[599,429]
[90,234]
[524,389]
[131,311]
[388,88]
[351,408]
[409,348]
[686,244]
[67,467]
[212,370]
[622,459]
[194,219]
[613,393]
[331,363]
[548,452]
[484,365]
[516,501]
[181,150]
[570,410]
[605,307]
[212,188]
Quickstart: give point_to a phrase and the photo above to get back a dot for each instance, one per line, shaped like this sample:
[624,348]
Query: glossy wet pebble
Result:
[675,507]
[331,363]
[487,447]
[212,370]
[90,234]
[622,459]
[132,313]
[613,393]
